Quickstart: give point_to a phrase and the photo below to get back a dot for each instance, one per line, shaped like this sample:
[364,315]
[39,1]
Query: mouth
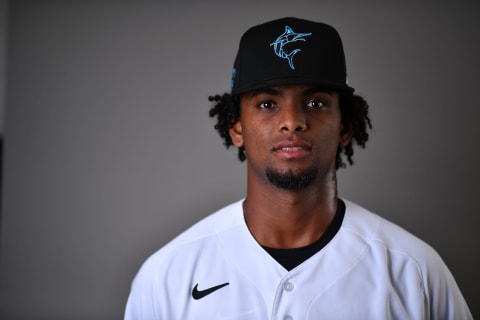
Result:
[292,149]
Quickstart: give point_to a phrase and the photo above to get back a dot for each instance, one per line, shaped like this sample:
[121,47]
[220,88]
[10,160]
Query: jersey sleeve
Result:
[445,299]
[140,303]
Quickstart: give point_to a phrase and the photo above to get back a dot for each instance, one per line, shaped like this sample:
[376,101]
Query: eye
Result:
[316,104]
[266,105]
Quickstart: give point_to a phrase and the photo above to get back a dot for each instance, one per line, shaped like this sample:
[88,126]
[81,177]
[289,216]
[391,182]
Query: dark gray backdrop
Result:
[110,151]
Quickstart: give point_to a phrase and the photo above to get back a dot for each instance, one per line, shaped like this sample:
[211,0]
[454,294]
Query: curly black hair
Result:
[354,110]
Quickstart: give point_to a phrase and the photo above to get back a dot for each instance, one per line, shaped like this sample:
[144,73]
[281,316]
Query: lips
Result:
[291,145]
[292,149]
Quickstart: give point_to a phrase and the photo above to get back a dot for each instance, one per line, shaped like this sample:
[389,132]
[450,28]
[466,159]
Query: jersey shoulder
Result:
[405,254]
[373,228]
[218,222]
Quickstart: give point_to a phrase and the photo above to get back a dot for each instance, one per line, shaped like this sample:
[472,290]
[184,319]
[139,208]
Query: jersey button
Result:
[288,286]
[288,317]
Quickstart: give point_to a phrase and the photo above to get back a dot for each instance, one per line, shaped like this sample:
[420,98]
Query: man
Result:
[292,249]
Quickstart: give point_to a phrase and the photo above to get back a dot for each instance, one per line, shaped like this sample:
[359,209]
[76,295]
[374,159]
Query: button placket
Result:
[288,286]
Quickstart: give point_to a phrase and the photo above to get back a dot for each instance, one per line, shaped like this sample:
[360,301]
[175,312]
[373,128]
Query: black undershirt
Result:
[290,258]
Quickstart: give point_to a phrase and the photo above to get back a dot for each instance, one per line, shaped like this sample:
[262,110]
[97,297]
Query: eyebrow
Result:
[313,90]
[267,90]
[276,92]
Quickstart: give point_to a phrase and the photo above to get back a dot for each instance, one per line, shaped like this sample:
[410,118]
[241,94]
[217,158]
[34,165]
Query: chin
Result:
[291,179]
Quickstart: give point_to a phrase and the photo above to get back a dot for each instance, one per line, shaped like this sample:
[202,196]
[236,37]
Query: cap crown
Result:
[289,51]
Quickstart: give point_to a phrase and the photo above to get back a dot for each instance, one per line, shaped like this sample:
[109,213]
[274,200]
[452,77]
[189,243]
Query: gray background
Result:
[110,152]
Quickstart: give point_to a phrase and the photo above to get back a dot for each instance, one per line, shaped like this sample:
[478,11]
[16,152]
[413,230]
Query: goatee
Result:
[291,180]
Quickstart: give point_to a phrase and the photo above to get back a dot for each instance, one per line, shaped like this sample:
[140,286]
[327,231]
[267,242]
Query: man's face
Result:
[290,133]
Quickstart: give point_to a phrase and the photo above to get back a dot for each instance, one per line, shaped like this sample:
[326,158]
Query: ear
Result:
[236,134]
[346,134]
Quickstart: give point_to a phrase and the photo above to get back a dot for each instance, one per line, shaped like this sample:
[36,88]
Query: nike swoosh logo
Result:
[199,294]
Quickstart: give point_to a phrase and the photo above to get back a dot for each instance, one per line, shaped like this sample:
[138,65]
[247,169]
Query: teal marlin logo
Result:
[287,37]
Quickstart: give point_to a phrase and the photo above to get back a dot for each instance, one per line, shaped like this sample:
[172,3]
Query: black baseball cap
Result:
[289,51]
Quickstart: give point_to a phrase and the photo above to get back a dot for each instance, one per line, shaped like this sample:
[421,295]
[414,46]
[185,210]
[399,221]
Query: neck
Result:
[279,218]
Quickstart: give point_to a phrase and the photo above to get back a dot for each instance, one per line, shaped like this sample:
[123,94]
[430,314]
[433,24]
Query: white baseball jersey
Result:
[371,269]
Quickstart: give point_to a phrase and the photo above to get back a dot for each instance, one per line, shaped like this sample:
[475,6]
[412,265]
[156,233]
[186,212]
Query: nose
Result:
[292,119]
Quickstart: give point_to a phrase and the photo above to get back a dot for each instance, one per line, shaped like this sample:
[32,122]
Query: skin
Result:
[290,129]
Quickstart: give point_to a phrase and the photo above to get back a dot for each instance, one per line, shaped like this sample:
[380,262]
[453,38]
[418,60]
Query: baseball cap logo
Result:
[288,36]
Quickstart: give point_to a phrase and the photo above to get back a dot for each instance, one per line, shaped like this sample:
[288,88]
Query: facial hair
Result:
[291,180]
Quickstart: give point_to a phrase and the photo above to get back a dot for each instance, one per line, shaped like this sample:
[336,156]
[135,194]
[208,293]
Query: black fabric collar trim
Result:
[290,258]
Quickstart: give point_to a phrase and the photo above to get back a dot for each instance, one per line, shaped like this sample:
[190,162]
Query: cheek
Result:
[329,137]
[256,137]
